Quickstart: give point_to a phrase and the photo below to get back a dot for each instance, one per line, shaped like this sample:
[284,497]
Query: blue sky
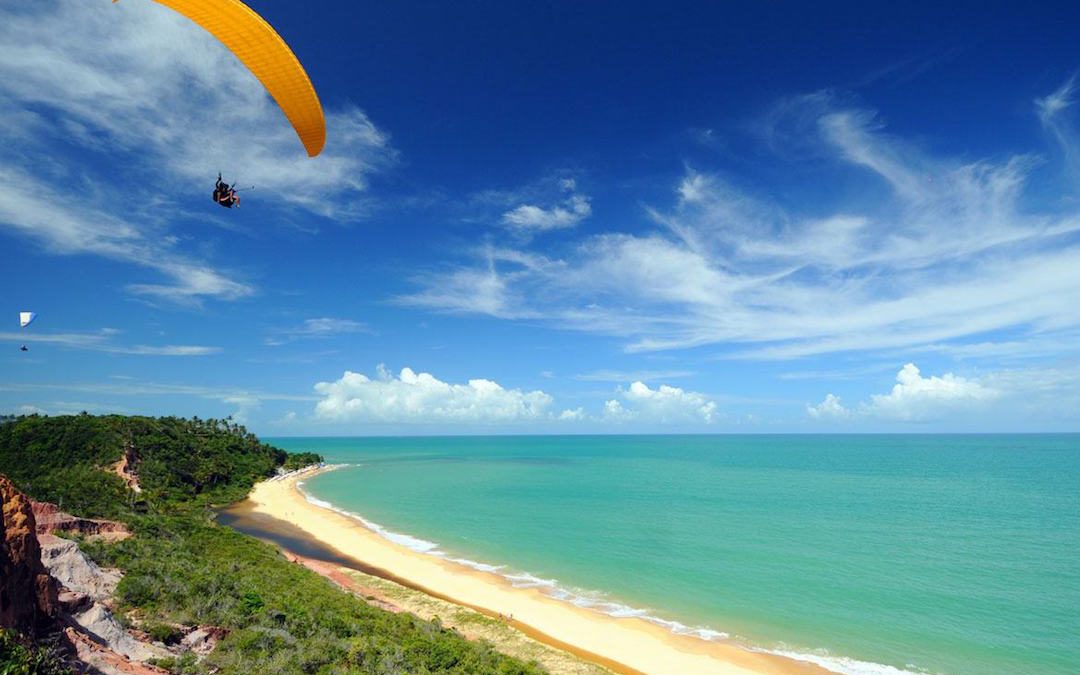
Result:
[565,218]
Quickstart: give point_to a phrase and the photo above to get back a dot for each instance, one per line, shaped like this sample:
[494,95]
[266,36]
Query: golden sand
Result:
[623,644]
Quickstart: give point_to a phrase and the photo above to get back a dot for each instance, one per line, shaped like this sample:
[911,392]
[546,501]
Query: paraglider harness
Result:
[224,195]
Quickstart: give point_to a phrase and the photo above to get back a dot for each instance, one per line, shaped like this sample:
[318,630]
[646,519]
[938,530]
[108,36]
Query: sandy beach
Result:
[626,645]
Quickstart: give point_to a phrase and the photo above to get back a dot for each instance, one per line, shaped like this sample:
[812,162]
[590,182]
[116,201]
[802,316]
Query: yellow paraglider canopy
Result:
[261,49]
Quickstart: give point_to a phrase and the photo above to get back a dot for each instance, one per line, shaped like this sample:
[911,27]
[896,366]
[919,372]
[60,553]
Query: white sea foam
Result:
[843,664]
[408,541]
[599,602]
[483,567]
[526,580]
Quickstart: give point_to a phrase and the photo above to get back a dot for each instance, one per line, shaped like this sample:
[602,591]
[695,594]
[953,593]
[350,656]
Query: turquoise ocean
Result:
[866,554]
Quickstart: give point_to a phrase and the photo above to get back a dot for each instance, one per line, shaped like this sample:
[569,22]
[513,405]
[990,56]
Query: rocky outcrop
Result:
[28,595]
[86,587]
[51,519]
[48,585]
[75,572]
[203,639]
[101,659]
[99,623]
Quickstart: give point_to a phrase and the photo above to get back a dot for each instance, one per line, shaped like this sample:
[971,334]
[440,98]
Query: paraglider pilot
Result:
[25,319]
[224,195]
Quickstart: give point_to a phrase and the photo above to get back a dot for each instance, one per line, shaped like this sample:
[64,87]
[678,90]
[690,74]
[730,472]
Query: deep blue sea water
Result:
[926,553]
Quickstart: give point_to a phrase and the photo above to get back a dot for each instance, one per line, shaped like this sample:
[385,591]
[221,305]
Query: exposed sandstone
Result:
[125,468]
[98,622]
[104,660]
[51,519]
[70,566]
[47,585]
[28,595]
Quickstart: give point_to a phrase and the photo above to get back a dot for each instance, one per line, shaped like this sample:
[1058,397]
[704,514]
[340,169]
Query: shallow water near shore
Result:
[950,554]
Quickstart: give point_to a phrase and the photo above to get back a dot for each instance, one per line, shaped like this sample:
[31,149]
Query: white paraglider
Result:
[25,319]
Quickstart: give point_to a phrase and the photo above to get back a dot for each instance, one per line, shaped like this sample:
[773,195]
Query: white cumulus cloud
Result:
[665,404]
[421,397]
[830,408]
[914,398]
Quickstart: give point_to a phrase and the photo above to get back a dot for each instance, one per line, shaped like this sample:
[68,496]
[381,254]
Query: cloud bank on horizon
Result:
[798,295]
[422,399]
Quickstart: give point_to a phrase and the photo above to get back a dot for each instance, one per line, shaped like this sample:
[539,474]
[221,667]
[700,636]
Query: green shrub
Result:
[182,568]
[163,632]
[18,657]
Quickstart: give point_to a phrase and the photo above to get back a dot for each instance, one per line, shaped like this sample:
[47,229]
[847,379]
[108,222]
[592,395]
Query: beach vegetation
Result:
[183,569]
[181,463]
[18,656]
[298,460]
[187,664]
[164,633]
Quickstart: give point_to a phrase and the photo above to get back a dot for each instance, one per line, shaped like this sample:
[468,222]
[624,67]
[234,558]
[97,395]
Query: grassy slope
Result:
[182,568]
[508,639]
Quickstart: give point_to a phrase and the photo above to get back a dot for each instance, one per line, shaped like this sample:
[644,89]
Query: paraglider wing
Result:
[265,54]
[26,318]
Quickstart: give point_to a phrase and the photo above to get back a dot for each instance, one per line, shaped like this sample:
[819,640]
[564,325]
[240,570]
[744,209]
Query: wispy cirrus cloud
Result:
[133,109]
[632,376]
[553,202]
[105,341]
[947,255]
[568,212]
[322,327]
[66,223]
[329,326]
[140,78]
[243,402]
[1052,113]
[148,388]
[499,288]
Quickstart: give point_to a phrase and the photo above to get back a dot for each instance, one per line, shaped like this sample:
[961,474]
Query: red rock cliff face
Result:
[27,592]
[50,518]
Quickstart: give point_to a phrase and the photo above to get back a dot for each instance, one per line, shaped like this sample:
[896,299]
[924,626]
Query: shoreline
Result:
[623,644]
[472,624]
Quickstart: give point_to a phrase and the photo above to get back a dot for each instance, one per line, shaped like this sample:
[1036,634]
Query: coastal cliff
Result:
[50,519]
[28,594]
[160,580]
[48,588]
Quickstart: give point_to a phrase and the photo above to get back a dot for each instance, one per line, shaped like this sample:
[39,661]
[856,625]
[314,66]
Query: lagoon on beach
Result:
[861,554]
